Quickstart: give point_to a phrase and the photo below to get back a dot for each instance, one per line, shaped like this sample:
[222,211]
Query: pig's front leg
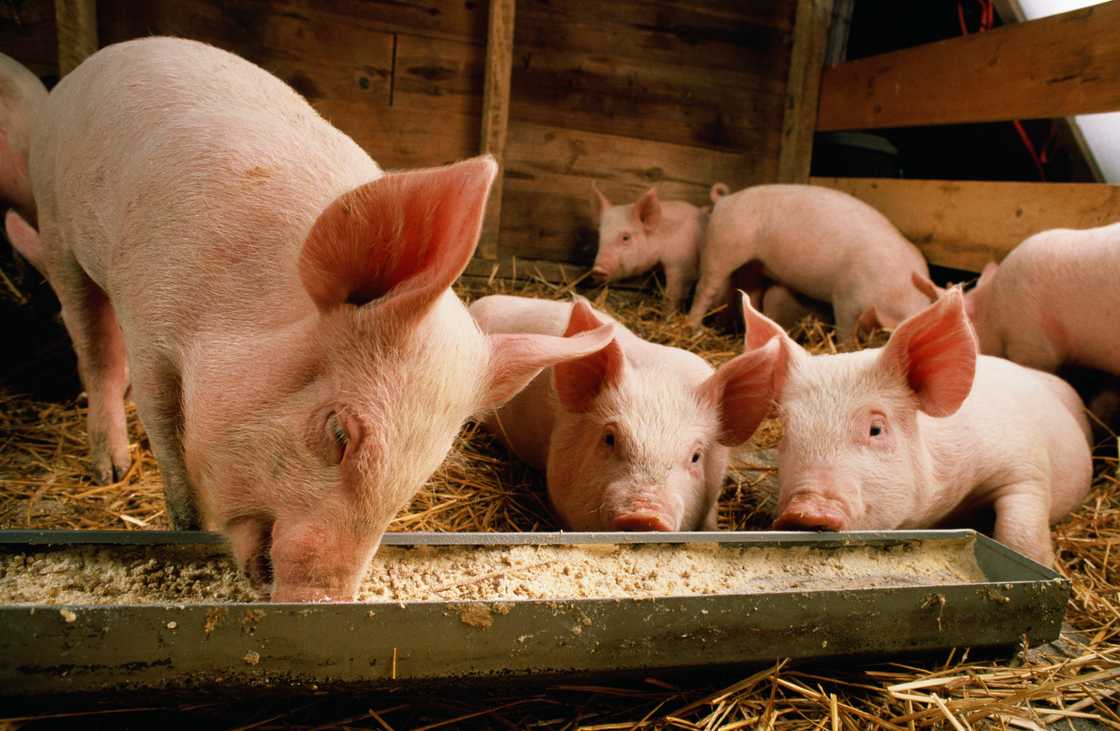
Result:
[158,392]
[92,325]
[1023,521]
[710,290]
[677,283]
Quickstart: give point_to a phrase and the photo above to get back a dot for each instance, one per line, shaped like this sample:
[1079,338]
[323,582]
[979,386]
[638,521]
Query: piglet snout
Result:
[599,274]
[639,521]
[811,512]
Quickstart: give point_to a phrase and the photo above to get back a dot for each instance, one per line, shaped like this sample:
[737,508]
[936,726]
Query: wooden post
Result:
[810,40]
[495,113]
[77,32]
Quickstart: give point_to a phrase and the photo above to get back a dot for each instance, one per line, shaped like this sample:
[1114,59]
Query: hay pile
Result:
[43,484]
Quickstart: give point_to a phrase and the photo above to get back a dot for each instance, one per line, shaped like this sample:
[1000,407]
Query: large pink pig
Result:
[819,242]
[21,97]
[633,437]
[296,355]
[1054,300]
[922,433]
[635,238]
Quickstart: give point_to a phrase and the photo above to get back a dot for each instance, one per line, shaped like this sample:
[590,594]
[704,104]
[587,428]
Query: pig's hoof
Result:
[107,471]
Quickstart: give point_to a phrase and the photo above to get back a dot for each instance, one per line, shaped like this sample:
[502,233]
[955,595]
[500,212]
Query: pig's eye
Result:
[625,238]
[338,433]
[695,456]
[876,429]
[608,439]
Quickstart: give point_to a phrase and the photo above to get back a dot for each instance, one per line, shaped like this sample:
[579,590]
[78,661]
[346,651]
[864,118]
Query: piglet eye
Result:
[625,237]
[876,429]
[339,436]
[695,457]
[608,439]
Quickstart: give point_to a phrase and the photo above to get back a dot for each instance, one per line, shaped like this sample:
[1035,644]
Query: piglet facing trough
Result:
[1054,300]
[634,436]
[819,242]
[923,433]
[296,354]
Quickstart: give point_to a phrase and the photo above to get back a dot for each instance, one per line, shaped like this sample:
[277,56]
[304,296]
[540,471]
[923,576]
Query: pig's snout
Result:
[812,512]
[639,521]
[599,274]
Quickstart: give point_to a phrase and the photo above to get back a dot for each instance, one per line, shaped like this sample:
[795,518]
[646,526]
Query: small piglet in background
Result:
[635,436]
[22,95]
[922,433]
[297,357]
[818,242]
[636,237]
[1055,300]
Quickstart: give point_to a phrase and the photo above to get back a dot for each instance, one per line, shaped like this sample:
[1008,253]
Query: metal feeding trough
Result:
[52,648]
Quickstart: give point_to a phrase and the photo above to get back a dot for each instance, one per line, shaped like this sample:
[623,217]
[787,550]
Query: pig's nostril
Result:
[640,522]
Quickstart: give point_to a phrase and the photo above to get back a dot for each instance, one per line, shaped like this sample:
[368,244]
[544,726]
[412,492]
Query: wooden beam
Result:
[1052,67]
[965,224]
[810,42]
[77,32]
[495,113]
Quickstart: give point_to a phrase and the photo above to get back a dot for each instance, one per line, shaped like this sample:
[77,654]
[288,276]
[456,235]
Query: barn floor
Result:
[1073,684]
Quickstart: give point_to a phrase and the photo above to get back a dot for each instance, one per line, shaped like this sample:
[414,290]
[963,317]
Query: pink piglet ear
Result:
[516,359]
[405,237]
[580,380]
[759,328]
[648,209]
[599,203]
[935,350]
[744,390]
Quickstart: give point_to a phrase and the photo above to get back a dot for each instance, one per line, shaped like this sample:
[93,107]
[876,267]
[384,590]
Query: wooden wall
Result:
[673,93]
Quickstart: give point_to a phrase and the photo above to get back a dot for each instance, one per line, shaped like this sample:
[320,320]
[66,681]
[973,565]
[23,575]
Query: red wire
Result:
[987,22]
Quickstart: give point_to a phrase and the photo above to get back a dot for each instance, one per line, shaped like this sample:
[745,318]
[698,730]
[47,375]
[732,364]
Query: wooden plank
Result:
[495,114]
[707,77]
[964,224]
[1052,67]
[77,32]
[810,42]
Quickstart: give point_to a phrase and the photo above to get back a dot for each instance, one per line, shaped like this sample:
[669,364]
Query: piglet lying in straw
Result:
[818,242]
[634,436]
[636,237]
[923,433]
[297,356]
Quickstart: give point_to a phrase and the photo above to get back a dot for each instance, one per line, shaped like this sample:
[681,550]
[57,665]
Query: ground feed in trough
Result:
[92,575]
[43,484]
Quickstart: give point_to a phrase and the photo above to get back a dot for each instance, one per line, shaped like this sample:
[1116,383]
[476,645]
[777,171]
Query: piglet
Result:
[635,238]
[21,97]
[924,433]
[818,242]
[633,437]
[297,356]
[1054,300]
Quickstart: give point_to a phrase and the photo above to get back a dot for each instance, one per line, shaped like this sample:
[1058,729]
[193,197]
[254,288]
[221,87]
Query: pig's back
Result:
[175,170]
[1069,277]
[809,236]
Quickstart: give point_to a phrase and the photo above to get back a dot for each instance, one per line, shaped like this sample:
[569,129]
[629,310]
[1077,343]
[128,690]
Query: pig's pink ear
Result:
[517,359]
[935,351]
[648,210]
[759,328]
[744,389]
[926,286]
[404,237]
[579,381]
[25,239]
[599,203]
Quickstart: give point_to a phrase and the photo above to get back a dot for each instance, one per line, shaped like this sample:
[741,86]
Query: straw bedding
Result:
[1075,684]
